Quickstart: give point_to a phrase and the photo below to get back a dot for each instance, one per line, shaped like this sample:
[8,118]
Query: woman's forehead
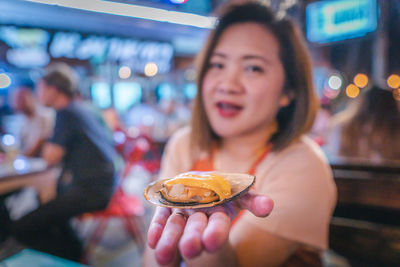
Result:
[247,39]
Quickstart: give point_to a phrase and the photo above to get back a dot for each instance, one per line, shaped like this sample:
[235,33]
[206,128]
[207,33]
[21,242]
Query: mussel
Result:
[198,189]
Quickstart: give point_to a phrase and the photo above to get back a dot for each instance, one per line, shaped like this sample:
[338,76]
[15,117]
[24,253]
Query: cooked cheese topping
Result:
[199,183]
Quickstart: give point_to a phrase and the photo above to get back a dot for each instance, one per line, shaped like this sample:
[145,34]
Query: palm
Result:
[191,231]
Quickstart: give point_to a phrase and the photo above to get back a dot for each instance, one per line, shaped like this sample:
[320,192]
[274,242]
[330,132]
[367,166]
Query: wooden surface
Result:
[364,243]
[366,223]
[352,164]
[40,177]
[368,188]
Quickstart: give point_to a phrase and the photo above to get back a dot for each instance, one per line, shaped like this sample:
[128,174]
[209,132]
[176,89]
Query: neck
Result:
[61,102]
[247,146]
[29,113]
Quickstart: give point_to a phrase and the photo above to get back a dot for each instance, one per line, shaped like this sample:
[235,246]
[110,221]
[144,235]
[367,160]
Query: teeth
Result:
[228,106]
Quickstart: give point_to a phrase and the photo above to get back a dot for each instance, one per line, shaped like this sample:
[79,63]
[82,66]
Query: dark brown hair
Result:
[374,120]
[294,119]
[63,78]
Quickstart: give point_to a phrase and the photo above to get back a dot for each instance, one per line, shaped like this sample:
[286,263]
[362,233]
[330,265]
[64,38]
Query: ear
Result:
[284,101]
[286,97]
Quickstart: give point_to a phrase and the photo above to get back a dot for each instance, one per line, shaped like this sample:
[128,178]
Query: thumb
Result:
[259,205]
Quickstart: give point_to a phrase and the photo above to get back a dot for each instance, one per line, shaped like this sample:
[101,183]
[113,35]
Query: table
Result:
[33,258]
[29,172]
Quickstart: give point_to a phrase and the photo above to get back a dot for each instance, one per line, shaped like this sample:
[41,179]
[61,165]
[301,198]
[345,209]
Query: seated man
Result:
[81,144]
[37,122]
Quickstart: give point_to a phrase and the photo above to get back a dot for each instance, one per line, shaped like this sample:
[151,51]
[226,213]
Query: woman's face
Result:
[243,87]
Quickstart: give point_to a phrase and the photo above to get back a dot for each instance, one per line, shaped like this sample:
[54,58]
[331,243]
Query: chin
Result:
[226,132]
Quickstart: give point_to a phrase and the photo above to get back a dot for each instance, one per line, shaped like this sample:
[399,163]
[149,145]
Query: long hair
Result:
[373,127]
[294,119]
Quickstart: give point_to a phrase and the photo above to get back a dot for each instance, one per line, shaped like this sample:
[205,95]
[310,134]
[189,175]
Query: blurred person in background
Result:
[368,129]
[144,116]
[88,179]
[322,122]
[37,123]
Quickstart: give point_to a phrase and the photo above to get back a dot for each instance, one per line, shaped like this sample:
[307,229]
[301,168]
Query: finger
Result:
[259,205]
[190,244]
[167,245]
[157,226]
[216,232]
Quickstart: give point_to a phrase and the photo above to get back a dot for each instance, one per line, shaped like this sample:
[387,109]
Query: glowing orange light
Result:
[393,81]
[352,91]
[361,80]
[396,94]
[150,69]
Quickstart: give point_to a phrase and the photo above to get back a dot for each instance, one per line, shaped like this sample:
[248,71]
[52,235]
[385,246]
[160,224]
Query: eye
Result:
[216,65]
[254,69]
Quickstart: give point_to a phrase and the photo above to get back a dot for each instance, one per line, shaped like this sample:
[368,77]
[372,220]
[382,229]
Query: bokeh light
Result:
[335,82]
[124,72]
[119,137]
[8,140]
[393,81]
[5,80]
[150,69]
[352,91]
[190,74]
[178,1]
[330,93]
[361,80]
[20,164]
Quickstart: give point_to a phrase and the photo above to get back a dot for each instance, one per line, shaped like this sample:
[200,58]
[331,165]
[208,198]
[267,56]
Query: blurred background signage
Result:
[34,47]
[336,20]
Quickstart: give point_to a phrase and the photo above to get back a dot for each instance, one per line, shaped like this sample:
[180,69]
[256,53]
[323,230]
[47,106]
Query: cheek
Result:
[44,97]
[206,95]
[266,103]
[206,85]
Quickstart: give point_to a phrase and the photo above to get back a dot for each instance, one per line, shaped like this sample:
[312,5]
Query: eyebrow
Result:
[245,57]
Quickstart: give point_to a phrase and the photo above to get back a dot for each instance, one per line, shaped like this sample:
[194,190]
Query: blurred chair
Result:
[126,207]
[129,209]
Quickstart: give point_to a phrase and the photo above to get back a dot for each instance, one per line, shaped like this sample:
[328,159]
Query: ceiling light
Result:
[135,11]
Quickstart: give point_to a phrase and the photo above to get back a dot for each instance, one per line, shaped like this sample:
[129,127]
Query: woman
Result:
[368,129]
[255,103]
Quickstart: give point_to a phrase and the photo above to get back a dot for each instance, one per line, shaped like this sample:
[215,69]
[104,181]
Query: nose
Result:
[230,82]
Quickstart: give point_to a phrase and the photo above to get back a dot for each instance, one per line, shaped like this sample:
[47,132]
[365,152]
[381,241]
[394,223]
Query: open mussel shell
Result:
[240,184]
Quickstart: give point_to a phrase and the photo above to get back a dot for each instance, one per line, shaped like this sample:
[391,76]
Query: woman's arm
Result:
[248,246]
[256,247]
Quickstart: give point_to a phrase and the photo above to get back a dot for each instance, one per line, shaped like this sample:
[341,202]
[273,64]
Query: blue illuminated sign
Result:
[101,94]
[336,20]
[126,95]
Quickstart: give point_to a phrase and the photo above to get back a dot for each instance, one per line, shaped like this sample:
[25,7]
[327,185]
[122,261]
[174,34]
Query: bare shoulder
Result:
[304,151]
[180,140]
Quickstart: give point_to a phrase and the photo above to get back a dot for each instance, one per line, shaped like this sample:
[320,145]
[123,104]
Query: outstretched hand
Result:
[191,231]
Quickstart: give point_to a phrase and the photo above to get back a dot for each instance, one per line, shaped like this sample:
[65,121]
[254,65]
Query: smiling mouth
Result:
[226,109]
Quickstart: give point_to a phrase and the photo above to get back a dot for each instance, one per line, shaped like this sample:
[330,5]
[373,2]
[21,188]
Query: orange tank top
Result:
[206,164]
[302,257]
